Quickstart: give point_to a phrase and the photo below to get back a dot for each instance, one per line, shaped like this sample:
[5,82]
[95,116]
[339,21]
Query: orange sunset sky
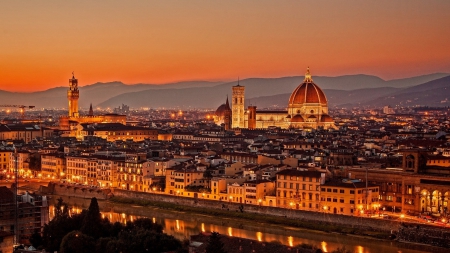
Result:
[139,41]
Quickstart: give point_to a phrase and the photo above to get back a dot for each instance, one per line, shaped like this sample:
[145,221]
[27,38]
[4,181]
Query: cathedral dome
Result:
[297,119]
[308,92]
[221,110]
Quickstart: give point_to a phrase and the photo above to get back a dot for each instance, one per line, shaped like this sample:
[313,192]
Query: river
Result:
[182,225]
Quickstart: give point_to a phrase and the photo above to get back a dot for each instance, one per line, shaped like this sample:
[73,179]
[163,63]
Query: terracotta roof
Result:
[307,93]
[222,109]
[326,118]
[297,118]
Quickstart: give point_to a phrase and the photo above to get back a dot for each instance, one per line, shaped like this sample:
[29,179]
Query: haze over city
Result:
[168,41]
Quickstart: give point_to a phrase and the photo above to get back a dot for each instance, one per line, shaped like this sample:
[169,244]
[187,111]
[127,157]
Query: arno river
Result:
[182,225]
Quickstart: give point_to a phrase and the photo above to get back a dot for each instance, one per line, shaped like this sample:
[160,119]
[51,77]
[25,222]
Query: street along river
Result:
[182,225]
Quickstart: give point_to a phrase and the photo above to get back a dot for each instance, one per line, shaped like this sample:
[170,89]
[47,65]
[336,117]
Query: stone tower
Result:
[72,95]
[237,106]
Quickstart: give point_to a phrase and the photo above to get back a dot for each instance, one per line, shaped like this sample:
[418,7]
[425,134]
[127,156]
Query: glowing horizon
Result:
[156,42]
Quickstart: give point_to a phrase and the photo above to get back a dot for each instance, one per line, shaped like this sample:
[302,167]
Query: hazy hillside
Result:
[201,94]
[335,97]
[433,93]
[94,93]
[212,97]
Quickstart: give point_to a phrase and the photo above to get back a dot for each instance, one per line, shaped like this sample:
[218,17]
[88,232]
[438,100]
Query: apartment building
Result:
[5,155]
[349,197]
[81,169]
[53,165]
[130,175]
[299,189]
[256,190]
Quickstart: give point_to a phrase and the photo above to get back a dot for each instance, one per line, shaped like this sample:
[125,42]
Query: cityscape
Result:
[263,155]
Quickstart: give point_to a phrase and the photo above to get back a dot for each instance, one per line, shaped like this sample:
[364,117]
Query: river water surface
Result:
[182,225]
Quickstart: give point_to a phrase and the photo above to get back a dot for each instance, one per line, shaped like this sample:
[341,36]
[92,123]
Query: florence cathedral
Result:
[307,109]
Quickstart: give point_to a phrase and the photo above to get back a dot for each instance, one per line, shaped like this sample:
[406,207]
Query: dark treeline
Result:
[87,232]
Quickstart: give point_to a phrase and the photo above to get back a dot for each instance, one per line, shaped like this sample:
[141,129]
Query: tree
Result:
[77,242]
[61,209]
[207,174]
[215,245]
[35,162]
[92,223]
[36,239]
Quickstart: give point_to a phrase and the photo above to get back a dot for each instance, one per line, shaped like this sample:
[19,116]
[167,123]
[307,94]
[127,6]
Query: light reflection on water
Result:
[194,224]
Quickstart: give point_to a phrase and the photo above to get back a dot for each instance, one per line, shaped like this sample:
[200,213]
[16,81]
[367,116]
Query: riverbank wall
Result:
[352,222]
[402,229]
[77,191]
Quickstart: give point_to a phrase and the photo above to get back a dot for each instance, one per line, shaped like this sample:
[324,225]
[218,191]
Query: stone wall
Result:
[350,221]
[76,191]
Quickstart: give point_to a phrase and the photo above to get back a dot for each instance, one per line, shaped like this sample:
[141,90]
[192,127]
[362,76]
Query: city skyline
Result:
[163,42]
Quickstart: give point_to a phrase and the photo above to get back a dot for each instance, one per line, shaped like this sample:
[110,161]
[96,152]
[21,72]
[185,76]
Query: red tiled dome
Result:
[308,92]
[222,109]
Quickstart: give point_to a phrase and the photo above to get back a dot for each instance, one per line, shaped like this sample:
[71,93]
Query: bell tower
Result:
[72,95]
[237,106]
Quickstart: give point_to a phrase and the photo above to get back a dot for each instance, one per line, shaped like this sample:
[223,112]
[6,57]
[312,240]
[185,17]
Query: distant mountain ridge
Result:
[432,93]
[262,92]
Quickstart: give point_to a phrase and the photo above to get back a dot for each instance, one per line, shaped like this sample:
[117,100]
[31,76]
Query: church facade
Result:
[307,109]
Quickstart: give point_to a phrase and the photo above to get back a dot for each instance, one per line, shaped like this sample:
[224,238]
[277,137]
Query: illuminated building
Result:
[81,169]
[420,185]
[307,109]
[53,166]
[237,104]
[349,197]
[5,154]
[22,163]
[298,189]
[117,131]
[73,120]
[256,190]
[72,96]
[25,132]
[130,175]
[223,115]
[106,172]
